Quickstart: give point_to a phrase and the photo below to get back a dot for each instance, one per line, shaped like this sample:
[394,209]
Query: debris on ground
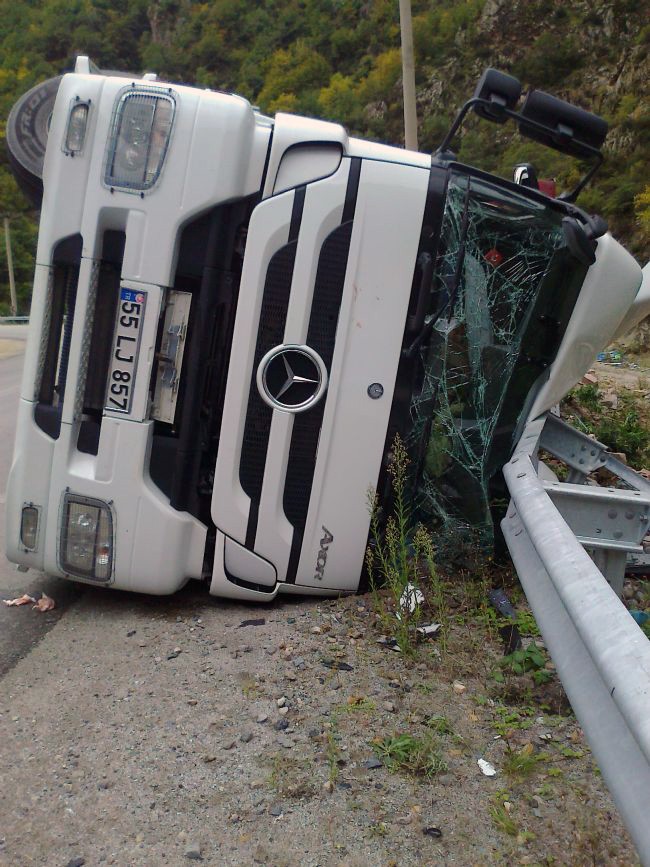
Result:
[487,769]
[410,599]
[25,599]
[45,603]
[429,629]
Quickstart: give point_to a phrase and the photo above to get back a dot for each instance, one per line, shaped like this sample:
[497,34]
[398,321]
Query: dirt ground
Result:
[147,731]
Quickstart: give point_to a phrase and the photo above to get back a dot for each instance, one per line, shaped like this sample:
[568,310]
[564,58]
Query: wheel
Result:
[27,128]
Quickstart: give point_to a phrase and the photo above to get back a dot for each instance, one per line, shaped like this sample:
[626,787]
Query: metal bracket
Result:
[610,523]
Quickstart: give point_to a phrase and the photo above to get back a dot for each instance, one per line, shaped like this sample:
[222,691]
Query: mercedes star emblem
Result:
[291,378]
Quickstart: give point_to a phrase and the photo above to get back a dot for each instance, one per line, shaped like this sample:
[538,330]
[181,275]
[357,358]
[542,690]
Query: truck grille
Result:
[321,337]
[273,316]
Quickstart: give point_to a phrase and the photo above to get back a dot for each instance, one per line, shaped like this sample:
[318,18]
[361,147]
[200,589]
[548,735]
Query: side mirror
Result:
[500,90]
[569,129]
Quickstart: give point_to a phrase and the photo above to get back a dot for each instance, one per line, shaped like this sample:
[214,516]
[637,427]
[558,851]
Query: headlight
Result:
[29,527]
[86,548]
[76,130]
[142,124]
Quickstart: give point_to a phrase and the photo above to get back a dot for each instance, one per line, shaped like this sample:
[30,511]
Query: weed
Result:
[403,752]
[528,659]
[424,688]
[424,544]
[356,704]
[394,557]
[439,724]
[622,429]
[522,763]
[332,750]
[502,819]
[526,623]
[509,719]
[568,753]
[249,686]
[290,777]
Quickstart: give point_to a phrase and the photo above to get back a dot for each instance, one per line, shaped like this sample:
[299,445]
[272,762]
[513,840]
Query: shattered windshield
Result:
[497,248]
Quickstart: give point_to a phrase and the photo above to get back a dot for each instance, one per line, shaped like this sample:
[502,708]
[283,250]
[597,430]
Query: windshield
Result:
[502,266]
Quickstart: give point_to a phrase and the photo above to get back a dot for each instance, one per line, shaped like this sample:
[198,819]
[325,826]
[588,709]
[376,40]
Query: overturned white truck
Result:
[232,318]
[234,315]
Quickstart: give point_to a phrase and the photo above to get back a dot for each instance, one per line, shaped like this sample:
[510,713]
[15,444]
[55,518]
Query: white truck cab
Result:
[233,316]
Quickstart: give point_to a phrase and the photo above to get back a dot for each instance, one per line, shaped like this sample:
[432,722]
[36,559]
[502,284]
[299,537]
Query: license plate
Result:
[121,377]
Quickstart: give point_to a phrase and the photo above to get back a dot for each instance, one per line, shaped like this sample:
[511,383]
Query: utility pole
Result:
[408,76]
[10,269]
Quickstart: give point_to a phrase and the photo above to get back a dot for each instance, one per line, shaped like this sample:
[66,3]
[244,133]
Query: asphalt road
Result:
[20,628]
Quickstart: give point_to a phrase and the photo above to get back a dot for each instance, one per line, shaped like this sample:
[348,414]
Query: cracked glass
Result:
[496,249]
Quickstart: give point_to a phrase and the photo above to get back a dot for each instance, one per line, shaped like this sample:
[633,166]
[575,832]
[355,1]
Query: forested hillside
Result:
[340,59]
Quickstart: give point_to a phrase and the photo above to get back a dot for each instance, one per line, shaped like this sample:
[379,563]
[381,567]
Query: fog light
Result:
[29,527]
[76,131]
[86,548]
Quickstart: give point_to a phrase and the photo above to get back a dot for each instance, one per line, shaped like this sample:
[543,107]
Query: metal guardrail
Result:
[601,655]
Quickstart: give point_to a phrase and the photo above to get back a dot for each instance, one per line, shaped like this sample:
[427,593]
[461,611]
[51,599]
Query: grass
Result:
[290,777]
[439,724]
[502,820]
[622,429]
[409,754]
[520,764]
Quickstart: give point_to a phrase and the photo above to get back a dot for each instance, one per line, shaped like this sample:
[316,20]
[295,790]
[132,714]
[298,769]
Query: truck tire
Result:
[27,128]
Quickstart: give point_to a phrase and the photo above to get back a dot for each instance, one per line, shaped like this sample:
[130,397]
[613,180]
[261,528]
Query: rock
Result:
[281,725]
[404,820]
[281,702]
[316,630]
[458,687]
[283,710]
[388,706]
[336,665]
[192,702]
[262,718]
[372,764]
[276,809]
[432,832]
[175,652]
[228,745]
[246,737]
[76,862]
[193,852]
[328,786]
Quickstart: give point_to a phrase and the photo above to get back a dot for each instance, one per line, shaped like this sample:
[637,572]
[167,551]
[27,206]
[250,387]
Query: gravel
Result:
[103,751]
